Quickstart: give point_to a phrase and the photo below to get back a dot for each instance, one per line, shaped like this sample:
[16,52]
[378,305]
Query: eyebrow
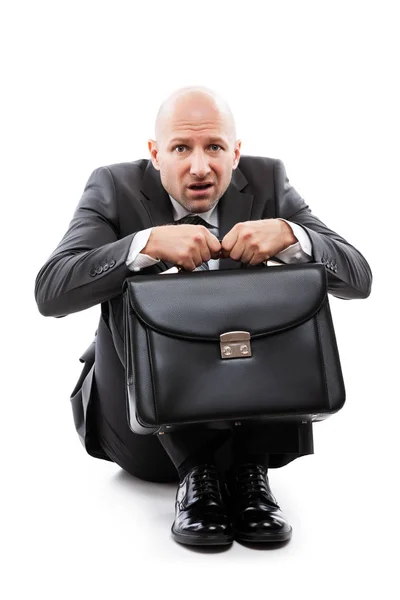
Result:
[188,139]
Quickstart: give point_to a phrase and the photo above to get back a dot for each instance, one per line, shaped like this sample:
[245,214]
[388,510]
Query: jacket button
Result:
[92,272]
[105,267]
[112,263]
[99,270]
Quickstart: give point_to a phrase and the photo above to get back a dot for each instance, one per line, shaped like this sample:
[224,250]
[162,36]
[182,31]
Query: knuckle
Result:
[243,226]
[181,256]
[198,236]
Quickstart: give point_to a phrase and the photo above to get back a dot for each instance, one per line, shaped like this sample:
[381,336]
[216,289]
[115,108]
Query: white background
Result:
[311,83]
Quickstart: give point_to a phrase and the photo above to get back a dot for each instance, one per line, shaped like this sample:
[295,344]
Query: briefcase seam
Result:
[335,348]
[294,415]
[217,339]
[149,346]
[322,358]
[147,323]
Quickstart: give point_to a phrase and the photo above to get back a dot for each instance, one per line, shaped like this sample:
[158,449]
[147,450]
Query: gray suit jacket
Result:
[88,266]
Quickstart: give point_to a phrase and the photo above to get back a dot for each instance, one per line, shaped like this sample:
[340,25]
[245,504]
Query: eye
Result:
[180,146]
[215,147]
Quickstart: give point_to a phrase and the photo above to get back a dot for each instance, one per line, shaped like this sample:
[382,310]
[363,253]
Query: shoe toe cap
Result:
[207,527]
[263,522]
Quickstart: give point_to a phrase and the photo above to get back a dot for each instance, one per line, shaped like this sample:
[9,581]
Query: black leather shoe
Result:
[256,515]
[200,513]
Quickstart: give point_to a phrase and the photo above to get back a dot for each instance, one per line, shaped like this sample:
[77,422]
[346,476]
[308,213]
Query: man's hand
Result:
[255,241]
[185,245]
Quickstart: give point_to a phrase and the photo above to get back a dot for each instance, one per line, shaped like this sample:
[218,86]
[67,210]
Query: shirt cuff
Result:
[301,251]
[136,261]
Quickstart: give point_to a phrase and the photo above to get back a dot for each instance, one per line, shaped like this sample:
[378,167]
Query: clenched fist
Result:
[185,245]
[255,241]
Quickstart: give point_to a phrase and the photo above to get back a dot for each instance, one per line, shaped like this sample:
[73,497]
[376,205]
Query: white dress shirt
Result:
[300,252]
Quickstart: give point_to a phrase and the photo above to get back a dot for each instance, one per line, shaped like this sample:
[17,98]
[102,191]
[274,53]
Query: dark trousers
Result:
[145,457]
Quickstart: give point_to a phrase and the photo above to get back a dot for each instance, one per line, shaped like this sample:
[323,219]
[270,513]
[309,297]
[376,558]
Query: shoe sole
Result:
[263,538]
[201,540]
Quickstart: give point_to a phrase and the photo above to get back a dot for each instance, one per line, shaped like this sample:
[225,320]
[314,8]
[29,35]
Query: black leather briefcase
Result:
[221,346]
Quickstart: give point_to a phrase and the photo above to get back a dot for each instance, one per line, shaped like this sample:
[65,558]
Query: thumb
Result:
[229,240]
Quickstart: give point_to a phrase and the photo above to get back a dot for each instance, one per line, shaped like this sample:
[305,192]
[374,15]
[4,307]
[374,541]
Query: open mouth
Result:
[200,186]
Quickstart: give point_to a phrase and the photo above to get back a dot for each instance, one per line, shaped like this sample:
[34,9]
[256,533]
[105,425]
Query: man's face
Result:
[195,153]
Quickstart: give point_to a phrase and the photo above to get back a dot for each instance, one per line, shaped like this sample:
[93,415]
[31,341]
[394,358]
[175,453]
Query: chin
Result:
[199,206]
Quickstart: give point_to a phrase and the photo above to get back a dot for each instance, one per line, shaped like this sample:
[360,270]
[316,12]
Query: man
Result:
[140,218]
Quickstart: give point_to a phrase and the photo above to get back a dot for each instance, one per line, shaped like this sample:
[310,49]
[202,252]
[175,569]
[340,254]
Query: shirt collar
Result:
[211,216]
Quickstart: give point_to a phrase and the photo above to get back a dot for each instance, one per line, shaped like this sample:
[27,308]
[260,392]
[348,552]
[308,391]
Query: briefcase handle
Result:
[262,265]
[244,266]
[180,269]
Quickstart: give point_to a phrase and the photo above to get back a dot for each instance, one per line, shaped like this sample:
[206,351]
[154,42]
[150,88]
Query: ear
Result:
[236,159]
[153,149]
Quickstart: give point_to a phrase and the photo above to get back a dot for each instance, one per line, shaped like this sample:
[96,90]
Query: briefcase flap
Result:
[202,305]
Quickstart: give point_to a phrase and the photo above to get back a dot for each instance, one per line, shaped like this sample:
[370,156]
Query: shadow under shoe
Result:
[200,512]
[256,515]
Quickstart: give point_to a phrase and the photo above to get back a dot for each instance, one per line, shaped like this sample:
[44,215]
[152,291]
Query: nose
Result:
[199,166]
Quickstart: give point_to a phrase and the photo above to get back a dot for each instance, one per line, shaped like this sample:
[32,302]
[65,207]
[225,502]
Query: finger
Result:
[186,265]
[202,242]
[197,257]
[229,240]
[247,255]
[188,256]
[257,259]
[238,250]
[213,244]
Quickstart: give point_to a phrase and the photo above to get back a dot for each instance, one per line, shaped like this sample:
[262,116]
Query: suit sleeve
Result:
[88,266]
[349,275]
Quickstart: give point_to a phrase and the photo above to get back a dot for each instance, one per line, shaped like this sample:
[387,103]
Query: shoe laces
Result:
[253,479]
[205,482]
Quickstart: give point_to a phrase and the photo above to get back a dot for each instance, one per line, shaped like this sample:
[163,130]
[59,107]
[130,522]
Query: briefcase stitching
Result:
[128,363]
[295,415]
[151,361]
[321,351]
[137,312]
[217,339]
[335,350]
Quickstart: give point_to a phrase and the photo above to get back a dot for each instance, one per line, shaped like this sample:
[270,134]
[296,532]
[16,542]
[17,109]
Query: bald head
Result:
[191,105]
[195,148]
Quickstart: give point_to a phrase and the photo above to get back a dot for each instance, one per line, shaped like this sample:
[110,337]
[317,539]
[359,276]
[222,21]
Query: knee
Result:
[154,475]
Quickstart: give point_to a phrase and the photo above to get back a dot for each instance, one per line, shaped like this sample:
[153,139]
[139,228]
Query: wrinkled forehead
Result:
[195,117]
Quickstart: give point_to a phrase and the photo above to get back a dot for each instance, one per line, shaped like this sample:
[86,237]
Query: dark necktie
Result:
[195,220]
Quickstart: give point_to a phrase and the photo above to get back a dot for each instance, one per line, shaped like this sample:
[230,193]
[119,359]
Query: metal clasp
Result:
[235,344]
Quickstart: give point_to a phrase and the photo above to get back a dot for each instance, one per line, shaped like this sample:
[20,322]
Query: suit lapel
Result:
[158,203]
[234,206]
